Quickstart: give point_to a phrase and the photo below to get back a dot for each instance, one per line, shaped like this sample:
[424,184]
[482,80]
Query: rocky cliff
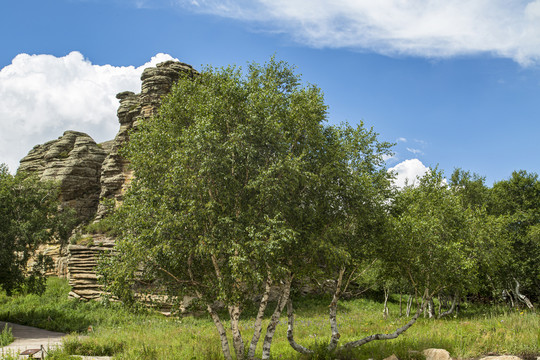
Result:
[88,172]
[74,161]
[156,82]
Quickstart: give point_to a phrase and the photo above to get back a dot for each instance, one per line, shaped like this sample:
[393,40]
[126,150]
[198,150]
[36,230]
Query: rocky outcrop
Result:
[82,262]
[88,172]
[115,172]
[74,161]
[156,82]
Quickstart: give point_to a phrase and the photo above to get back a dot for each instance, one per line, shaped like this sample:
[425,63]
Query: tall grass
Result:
[144,335]
[6,336]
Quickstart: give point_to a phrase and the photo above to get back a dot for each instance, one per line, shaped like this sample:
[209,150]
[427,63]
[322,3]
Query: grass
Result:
[141,334]
[6,336]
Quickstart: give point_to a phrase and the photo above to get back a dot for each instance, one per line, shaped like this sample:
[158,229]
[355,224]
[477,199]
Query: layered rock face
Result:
[156,82]
[115,173]
[88,172]
[74,161]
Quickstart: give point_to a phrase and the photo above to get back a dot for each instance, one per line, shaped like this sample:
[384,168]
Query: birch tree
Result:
[234,191]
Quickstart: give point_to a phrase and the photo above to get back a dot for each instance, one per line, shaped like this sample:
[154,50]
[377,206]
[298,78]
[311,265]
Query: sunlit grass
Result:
[477,330]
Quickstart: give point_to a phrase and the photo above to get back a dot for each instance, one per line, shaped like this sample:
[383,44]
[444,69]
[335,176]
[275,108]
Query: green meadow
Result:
[106,328]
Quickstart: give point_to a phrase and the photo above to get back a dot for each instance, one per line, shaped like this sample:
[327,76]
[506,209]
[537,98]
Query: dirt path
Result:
[27,337]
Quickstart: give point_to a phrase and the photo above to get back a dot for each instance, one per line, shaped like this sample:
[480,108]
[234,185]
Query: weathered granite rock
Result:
[82,261]
[156,82]
[436,354]
[502,357]
[57,253]
[74,161]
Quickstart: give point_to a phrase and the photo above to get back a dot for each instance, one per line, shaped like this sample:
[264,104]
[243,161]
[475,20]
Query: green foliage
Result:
[60,354]
[438,242]
[6,336]
[103,226]
[238,180]
[54,311]
[516,202]
[92,347]
[29,216]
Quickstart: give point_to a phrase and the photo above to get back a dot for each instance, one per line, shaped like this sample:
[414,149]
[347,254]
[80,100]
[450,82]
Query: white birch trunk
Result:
[238,342]
[400,305]
[452,307]
[258,321]
[222,333]
[271,328]
[409,306]
[333,313]
[431,307]
[385,307]
[522,297]
[393,335]
[290,331]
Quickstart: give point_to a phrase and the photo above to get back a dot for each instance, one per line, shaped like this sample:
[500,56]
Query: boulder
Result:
[436,354]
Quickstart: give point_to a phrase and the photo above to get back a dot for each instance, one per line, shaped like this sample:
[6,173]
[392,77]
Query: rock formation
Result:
[156,82]
[82,261]
[74,161]
[115,172]
[88,172]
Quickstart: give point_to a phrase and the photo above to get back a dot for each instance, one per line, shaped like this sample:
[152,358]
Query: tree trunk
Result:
[333,313]
[393,335]
[507,294]
[431,308]
[385,307]
[222,333]
[238,343]
[258,321]
[400,304]
[271,329]
[452,307]
[409,306]
[522,297]
[290,331]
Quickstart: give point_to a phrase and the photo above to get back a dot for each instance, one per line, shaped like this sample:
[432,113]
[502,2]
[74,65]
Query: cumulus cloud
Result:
[435,29]
[407,172]
[41,96]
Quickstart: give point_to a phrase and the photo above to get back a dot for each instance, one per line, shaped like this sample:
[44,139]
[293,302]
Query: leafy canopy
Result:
[29,216]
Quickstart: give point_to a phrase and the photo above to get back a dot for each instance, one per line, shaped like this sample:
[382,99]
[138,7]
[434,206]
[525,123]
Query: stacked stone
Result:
[82,262]
[156,82]
[74,161]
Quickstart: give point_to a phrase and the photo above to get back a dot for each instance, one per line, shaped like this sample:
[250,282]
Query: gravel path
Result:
[27,337]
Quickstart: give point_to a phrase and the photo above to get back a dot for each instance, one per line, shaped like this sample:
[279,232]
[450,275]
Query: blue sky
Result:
[452,83]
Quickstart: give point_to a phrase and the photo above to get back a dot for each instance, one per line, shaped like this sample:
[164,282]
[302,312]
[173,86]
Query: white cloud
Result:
[401,139]
[414,151]
[407,172]
[41,96]
[435,28]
